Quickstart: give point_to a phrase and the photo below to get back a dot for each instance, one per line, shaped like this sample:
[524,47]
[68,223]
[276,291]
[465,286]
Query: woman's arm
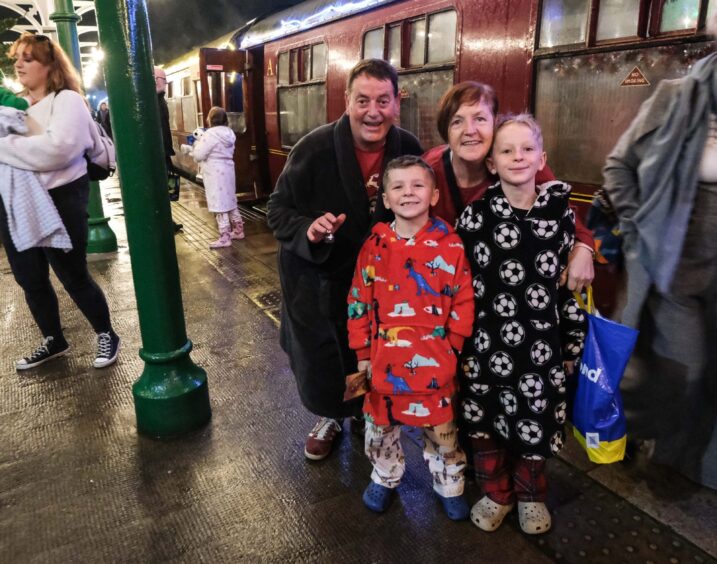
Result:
[65,139]
[580,271]
[203,146]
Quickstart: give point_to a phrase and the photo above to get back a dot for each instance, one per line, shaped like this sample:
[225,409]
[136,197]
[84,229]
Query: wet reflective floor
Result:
[78,484]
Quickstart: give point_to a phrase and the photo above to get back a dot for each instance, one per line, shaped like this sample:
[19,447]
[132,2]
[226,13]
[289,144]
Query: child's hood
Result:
[555,188]
[223,134]
[430,235]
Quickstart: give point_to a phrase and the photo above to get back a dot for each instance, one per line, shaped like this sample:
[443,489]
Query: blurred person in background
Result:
[662,180]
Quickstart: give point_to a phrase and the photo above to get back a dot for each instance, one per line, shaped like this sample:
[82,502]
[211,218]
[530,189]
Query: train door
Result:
[222,75]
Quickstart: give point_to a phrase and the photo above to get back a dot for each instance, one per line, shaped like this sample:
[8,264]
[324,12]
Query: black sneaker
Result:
[48,349]
[108,346]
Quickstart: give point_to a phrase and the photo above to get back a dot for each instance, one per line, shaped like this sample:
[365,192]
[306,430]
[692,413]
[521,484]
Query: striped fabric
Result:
[33,220]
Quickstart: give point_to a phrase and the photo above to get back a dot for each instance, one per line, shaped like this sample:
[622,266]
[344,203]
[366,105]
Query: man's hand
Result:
[569,367]
[364,365]
[323,225]
[580,272]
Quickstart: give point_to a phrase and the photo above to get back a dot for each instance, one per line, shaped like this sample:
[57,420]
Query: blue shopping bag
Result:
[598,416]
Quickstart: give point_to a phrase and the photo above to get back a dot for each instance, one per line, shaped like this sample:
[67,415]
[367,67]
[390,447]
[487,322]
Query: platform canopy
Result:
[34,16]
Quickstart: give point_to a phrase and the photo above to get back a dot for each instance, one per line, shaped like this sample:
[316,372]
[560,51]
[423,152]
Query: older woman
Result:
[466,118]
[60,133]
[662,180]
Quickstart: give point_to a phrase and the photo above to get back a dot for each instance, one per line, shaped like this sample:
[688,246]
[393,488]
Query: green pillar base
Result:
[101,238]
[171,397]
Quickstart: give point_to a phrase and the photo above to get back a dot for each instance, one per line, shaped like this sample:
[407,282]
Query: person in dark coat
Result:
[103,118]
[320,212]
[160,84]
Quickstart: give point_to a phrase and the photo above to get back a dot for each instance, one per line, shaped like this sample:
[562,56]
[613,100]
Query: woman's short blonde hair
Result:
[523,119]
[62,75]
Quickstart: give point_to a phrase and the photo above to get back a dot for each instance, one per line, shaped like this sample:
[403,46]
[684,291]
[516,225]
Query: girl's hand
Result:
[580,272]
[323,225]
[569,367]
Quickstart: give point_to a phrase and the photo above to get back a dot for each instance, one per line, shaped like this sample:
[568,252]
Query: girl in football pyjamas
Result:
[528,329]
[214,150]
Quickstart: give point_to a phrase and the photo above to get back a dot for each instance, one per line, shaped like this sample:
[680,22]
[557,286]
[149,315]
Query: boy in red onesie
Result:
[410,308]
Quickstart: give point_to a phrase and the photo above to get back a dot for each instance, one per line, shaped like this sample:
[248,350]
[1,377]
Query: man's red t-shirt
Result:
[370,163]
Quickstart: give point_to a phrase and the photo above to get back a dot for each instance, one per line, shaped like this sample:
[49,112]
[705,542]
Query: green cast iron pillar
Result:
[171,396]
[101,238]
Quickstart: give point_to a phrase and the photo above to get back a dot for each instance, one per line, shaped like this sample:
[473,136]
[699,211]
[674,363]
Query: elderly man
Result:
[160,85]
[320,211]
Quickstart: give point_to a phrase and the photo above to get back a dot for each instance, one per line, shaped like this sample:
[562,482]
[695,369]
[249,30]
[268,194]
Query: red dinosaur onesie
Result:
[410,308]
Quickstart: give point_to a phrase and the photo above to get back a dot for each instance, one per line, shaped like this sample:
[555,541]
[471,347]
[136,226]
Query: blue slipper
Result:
[377,497]
[456,508]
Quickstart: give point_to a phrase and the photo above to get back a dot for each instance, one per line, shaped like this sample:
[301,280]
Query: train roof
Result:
[301,17]
[222,42]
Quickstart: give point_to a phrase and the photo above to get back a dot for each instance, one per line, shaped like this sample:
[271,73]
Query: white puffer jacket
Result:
[215,151]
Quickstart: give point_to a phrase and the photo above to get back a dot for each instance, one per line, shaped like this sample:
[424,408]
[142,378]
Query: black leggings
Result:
[31,271]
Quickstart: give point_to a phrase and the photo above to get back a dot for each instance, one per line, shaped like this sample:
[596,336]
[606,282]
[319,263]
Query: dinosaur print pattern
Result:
[422,286]
[421,283]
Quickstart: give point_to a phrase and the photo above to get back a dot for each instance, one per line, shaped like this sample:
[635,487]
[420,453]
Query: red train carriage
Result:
[582,66]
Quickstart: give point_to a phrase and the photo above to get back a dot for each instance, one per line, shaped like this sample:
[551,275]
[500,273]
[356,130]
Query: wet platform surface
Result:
[78,484]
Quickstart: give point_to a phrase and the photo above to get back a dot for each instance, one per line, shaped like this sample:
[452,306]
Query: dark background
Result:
[179,25]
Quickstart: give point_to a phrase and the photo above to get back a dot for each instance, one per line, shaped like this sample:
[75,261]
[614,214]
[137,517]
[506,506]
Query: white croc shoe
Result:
[534,517]
[488,515]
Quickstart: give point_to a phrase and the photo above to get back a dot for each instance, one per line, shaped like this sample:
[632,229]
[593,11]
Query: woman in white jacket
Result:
[215,152]
[61,131]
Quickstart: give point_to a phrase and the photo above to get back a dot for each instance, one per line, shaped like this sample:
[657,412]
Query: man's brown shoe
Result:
[321,439]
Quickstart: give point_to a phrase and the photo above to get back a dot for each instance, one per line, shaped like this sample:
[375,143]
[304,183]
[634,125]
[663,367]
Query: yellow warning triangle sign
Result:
[635,78]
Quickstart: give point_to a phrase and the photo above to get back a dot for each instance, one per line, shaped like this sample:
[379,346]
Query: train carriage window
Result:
[420,93]
[284,68]
[679,15]
[216,87]
[174,105]
[301,109]
[305,64]
[302,98]
[189,113]
[584,104]
[563,22]
[423,49]
[318,61]
[186,86]
[198,100]
[617,18]
[170,89]
[442,37]
[234,95]
[712,10]
[293,66]
[373,44]
[394,45]
[417,50]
